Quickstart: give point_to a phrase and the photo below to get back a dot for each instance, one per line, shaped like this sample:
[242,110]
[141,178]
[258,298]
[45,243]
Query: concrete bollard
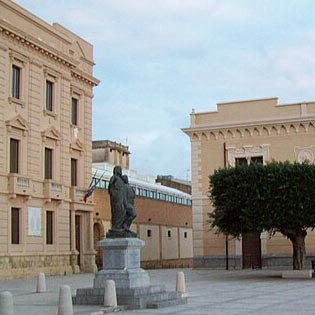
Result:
[110,298]
[180,283]
[6,303]
[41,283]
[65,301]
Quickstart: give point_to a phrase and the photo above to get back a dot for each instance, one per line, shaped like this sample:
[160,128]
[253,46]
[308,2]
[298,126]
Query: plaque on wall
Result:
[34,221]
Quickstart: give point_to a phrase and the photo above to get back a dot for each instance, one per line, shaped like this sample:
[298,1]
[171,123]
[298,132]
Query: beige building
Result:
[163,219]
[46,82]
[242,132]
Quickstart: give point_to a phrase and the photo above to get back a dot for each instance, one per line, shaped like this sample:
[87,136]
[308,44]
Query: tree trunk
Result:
[298,242]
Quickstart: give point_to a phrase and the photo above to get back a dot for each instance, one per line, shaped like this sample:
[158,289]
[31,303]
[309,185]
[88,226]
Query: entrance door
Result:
[251,250]
[78,237]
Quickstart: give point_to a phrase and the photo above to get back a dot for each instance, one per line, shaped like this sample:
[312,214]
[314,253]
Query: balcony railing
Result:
[53,190]
[77,195]
[19,185]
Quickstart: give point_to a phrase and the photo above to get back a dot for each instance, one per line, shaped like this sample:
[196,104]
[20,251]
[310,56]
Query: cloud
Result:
[158,59]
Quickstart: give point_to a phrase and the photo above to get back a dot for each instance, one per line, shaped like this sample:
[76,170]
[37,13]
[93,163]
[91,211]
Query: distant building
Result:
[110,152]
[170,181]
[163,213]
[46,83]
[245,132]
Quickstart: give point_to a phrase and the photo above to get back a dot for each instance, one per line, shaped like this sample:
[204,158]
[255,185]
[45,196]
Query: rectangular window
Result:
[49,227]
[15,225]
[149,233]
[240,161]
[49,95]
[169,234]
[74,172]
[256,159]
[16,82]
[48,163]
[14,155]
[74,111]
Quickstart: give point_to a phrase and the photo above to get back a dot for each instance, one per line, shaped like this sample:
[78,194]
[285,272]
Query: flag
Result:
[92,186]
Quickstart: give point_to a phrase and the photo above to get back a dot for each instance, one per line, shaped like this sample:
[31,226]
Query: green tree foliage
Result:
[277,197]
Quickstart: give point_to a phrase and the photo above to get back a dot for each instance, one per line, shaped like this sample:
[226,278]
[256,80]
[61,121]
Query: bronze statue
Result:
[122,205]
[130,204]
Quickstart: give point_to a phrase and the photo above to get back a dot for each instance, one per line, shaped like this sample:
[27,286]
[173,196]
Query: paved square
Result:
[214,292]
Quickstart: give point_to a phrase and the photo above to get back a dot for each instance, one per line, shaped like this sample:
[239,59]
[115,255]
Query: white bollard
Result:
[41,283]
[110,298]
[180,283]
[6,303]
[65,301]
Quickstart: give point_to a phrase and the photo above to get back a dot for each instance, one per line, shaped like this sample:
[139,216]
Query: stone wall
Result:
[22,266]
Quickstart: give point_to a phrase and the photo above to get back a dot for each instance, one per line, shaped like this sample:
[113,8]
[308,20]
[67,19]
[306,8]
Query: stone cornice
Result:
[48,51]
[267,128]
[249,124]
[84,77]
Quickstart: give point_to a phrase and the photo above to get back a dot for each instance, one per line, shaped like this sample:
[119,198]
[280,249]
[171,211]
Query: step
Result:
[167,303]
[141,290]
[140,302]
[135,298]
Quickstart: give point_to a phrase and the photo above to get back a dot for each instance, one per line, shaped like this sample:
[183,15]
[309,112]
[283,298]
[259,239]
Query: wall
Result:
[154,219]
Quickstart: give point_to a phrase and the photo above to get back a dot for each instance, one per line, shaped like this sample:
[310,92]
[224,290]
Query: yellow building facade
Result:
[46,83]
[242,132]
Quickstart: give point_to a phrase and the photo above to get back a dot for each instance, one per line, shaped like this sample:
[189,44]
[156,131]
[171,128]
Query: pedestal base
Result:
[121,263]
[124,279]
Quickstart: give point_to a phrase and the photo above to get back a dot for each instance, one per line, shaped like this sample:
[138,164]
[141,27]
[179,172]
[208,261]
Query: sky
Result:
[158,59]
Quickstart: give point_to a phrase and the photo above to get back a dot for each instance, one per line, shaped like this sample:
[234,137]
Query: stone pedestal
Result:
[121,263]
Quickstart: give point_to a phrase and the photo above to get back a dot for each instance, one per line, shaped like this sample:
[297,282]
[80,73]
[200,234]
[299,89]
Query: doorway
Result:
[78,237]
[251,250]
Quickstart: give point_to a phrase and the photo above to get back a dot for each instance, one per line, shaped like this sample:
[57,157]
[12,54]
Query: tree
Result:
[277,197]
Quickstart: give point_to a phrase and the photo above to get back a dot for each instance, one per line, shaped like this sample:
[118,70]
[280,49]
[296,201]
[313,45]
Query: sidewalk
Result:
[214,292]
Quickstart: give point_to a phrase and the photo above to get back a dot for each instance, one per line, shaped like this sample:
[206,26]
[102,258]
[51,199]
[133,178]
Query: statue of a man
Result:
[129,204]
[116,190]
[122,205]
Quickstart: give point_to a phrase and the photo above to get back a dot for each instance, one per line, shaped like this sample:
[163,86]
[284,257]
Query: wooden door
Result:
[251,250]
[78,237]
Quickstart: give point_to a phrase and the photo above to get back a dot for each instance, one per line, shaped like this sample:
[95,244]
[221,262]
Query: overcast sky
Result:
[158,59]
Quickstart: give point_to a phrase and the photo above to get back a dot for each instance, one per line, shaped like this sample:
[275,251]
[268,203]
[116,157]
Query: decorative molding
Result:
[77,145]
[210,134]
[51,133]
[247,151]
[17,122]
[48,72]
[303,154]
[51,53]
[84,77]
[13,100]
[18,57]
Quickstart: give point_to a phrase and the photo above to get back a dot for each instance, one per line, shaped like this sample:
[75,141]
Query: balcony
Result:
[77,195]
[19,185]
[53,190]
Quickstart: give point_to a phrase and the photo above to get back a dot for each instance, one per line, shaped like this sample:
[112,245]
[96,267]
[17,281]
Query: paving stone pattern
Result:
[211,292]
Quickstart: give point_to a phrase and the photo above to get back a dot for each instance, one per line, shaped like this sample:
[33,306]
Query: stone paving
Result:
[213,292]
